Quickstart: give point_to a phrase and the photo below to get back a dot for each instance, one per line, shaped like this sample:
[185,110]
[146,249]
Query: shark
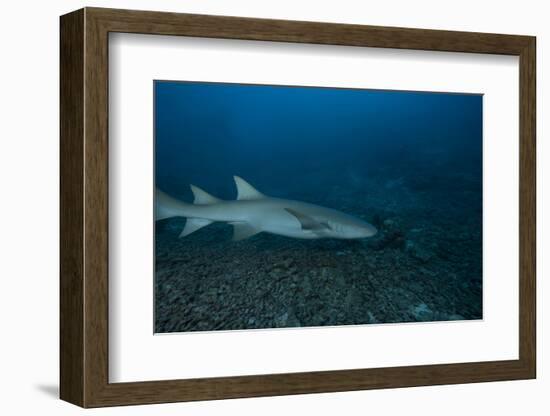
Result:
[253,212]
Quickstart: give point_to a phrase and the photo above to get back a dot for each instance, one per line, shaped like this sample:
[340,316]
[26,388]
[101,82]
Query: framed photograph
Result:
[255,207]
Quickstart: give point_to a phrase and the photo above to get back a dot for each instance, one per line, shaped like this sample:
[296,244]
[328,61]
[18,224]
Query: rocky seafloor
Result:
[425,264]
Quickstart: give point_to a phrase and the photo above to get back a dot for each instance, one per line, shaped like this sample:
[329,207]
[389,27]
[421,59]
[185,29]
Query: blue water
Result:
[408,162]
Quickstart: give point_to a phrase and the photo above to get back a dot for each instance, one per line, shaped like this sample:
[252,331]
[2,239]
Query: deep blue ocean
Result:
[410,163]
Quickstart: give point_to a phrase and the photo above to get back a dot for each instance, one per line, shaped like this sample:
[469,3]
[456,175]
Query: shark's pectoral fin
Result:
[242,230]
[307,222]
[194,224]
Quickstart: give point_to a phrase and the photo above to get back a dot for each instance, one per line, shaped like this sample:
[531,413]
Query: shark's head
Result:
[328,223]
[350,228]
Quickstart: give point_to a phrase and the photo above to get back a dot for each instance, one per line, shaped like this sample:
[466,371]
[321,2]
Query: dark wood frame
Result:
[84,209]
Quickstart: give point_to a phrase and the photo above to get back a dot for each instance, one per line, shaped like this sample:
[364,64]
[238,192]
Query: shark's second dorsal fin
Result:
[202,197]
[245,190]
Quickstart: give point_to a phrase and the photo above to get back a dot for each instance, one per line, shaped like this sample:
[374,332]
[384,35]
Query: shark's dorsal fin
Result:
[245,190]
[242,230]
[307,222]
[202,197]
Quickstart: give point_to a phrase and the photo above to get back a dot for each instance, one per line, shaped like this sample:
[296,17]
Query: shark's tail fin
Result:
[167,207]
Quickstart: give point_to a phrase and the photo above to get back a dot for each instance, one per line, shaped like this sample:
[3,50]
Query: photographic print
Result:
[292,206]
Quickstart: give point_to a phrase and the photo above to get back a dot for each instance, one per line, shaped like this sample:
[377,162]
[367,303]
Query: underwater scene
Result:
[289,206]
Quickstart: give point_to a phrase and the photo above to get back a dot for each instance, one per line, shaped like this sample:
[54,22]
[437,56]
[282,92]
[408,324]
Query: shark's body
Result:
[254,212]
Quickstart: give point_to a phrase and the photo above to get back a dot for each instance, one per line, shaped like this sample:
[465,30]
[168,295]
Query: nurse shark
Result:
[253,212]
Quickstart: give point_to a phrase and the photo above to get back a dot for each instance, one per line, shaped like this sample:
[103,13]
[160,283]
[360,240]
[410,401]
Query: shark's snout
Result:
[358,229]
[369,230]
[365,230]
